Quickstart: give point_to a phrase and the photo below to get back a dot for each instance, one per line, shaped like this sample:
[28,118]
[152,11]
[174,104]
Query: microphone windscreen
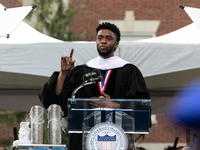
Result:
[97,71]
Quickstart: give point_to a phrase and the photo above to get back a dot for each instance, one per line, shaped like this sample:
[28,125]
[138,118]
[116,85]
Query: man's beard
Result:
[107,53]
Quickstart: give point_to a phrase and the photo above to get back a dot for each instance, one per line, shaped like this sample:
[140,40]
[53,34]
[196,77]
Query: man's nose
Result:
[103,40]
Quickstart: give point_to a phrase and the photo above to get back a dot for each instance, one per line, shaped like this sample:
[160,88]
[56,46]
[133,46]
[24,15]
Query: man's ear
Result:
[116,44]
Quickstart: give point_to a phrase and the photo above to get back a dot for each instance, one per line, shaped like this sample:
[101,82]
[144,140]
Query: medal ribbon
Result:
[102,84]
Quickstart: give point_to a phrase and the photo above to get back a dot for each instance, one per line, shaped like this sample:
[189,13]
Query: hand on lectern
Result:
[103,96]
[104,104]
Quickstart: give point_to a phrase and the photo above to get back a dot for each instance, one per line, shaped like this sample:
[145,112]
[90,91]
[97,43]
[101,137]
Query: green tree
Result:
[53,19]
[12,118]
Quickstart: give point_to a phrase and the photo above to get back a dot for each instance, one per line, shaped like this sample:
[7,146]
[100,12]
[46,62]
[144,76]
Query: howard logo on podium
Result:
[106,136]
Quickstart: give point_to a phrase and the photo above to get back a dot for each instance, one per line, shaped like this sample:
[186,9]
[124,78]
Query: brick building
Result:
[11,3]
[164,16]
[169,14]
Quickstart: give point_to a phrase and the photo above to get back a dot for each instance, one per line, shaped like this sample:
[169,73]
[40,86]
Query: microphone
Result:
[97,79]
[94,73]
[87,82]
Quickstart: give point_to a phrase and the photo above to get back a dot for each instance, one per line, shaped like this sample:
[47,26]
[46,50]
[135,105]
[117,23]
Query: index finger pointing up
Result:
[71,53]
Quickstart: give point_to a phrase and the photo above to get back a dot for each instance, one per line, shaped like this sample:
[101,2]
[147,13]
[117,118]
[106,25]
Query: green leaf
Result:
[54,19]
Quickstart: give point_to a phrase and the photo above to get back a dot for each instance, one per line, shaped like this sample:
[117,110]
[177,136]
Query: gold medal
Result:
[101,96]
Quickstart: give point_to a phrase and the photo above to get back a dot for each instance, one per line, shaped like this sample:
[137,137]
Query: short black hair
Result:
[111,27]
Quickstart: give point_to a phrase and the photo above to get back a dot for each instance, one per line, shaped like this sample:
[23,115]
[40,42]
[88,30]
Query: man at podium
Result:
[121,79]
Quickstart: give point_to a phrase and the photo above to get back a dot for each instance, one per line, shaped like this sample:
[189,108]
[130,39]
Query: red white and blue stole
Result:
[102,84]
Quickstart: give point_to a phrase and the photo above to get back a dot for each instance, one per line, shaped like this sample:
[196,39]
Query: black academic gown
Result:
[129,84]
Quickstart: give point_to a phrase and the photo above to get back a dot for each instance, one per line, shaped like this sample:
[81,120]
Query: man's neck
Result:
[105,57]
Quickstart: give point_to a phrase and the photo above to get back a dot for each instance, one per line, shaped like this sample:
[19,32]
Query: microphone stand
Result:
[87,82]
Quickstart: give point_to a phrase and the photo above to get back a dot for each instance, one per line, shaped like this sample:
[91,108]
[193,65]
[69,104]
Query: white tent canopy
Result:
[25,34]
[173,52]
[11,18]
[193,13]
[189,34]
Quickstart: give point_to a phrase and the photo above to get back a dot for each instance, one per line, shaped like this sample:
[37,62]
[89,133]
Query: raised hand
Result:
[66,62]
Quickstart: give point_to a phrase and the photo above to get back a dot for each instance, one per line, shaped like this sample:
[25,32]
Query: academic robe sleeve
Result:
[48,96]
[73,80]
